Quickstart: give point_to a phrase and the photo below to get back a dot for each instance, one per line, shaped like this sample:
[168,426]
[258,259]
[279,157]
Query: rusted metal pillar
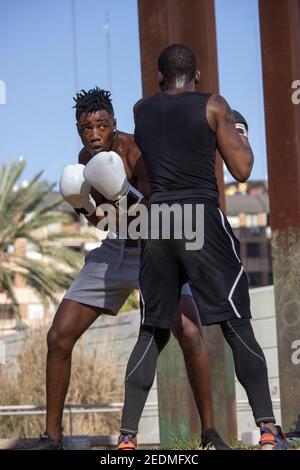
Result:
[280,43]
[192,22]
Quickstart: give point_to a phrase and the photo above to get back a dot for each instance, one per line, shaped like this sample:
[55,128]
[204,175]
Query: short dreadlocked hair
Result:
[93,100]
[177,60]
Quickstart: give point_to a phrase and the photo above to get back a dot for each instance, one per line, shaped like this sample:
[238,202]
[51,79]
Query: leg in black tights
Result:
[250,367]
[249,361]
[140,375]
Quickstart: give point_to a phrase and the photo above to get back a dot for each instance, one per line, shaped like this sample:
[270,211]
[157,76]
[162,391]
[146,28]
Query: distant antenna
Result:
[74,43]
[108,61]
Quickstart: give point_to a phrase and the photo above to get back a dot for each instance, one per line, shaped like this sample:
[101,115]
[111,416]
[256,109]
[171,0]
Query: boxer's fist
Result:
[75,190]
[105,172]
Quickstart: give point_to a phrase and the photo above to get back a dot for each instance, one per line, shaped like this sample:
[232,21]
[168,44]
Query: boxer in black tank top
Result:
[178,132]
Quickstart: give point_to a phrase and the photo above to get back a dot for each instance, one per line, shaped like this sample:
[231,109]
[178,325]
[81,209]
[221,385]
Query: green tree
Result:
[26,213]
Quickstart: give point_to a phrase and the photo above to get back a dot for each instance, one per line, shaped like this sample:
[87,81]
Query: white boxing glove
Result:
[105,172]
[75,190]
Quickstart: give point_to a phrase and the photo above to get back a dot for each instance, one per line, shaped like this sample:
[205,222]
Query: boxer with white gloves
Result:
[105,172]
[76,191]
[111,271]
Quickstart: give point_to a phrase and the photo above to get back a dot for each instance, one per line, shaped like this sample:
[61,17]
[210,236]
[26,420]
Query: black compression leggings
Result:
[249,362]
[140,374]
[250,367]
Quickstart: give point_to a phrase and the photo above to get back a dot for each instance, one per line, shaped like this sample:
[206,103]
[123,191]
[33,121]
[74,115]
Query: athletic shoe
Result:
[211,440]
[127,442]
[46,443]
[271,441]
[294,434]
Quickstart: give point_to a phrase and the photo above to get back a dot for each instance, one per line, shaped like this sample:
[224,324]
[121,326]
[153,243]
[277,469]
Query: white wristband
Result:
[241,128]
[90,206]
[130,200]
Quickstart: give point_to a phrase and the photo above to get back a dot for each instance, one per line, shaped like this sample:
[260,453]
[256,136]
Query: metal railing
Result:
[69,409]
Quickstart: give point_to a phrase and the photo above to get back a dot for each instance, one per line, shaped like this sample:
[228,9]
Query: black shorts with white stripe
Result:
[215,273]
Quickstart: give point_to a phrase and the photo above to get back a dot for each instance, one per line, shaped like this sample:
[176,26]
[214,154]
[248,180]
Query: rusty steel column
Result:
[192,22]
[280,43]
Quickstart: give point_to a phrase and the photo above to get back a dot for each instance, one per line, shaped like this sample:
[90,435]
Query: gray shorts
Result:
[109,275]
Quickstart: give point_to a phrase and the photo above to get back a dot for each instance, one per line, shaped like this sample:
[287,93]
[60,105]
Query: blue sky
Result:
[37,66]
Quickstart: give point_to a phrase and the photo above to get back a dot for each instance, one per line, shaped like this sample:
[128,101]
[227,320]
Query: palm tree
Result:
[25,213]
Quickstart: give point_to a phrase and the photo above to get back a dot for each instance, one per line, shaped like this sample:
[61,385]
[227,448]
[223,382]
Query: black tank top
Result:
[178,147]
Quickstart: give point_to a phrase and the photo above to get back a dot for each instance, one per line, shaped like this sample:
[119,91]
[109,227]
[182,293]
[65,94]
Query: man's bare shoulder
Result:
[125,137]
[219,107]
[127,148]
[123,143]
[127,140]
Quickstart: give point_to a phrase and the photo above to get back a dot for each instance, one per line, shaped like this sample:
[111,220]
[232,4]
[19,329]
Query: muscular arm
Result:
[233,147]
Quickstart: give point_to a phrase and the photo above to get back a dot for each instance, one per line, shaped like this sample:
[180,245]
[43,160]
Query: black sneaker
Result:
[46,443]
[211,440]
[294,434]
